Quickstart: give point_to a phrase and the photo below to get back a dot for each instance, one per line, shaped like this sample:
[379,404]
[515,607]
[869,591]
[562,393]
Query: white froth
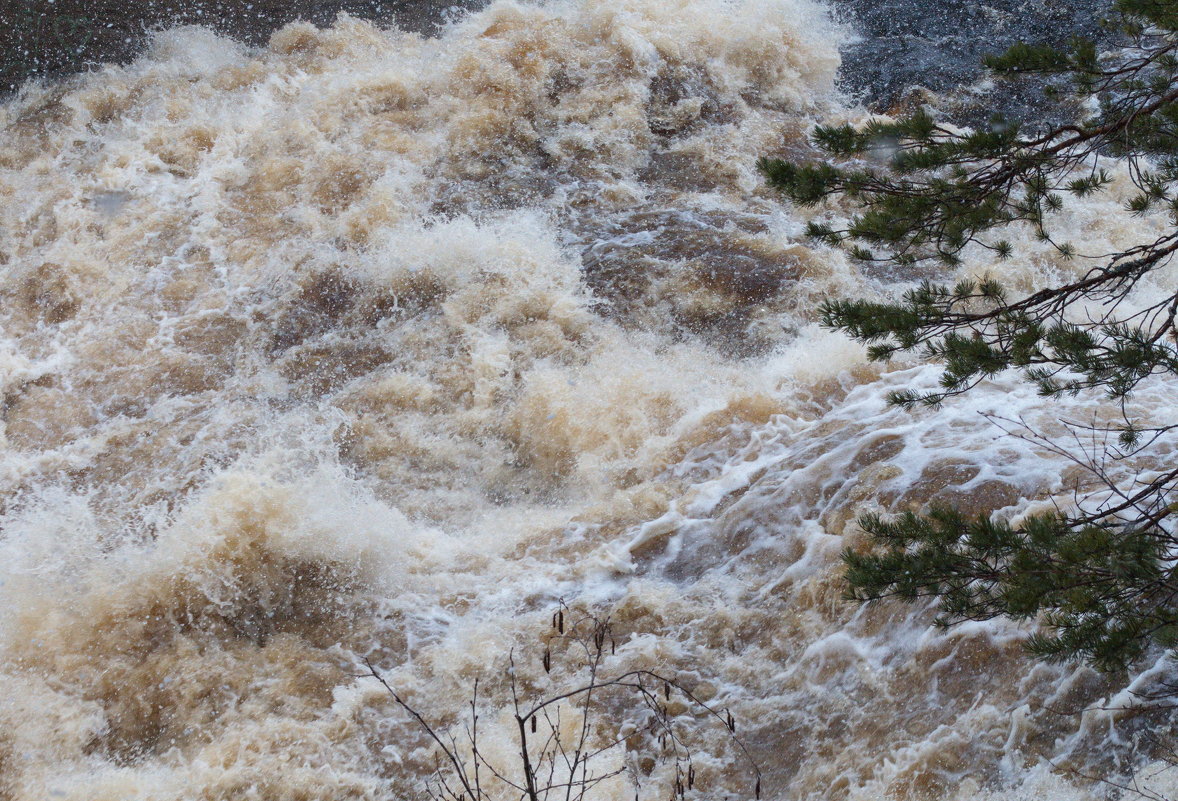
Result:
[367,345]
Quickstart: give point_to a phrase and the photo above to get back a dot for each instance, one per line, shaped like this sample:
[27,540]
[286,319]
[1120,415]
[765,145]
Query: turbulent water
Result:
[364,345]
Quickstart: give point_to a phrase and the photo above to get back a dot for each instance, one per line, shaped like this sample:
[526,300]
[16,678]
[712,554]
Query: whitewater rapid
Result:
[367,345]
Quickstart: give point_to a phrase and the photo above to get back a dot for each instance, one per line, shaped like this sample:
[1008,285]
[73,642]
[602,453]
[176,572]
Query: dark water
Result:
[57,37]
[932,43]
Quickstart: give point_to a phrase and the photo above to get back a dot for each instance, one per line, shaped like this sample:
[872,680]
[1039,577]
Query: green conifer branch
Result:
[1102,582]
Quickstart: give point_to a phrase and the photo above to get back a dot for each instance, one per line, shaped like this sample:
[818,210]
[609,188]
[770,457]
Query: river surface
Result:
[896,44]
[359,344]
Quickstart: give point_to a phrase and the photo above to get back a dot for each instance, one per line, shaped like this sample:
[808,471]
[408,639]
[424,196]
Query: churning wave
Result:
[367,345]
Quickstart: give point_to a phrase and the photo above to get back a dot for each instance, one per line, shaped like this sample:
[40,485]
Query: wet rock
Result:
[909,46]
[904,43]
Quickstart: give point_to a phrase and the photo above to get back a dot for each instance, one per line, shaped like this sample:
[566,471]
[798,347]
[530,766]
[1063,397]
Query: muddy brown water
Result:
[902,43]
[359,344]
[57,37]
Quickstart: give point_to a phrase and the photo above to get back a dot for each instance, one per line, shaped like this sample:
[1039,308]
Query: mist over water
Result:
[367,345]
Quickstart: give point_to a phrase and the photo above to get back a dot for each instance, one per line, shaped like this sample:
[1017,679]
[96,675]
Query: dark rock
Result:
[937,44]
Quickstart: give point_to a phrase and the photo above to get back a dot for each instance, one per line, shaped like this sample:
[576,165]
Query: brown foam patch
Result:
[192,639]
